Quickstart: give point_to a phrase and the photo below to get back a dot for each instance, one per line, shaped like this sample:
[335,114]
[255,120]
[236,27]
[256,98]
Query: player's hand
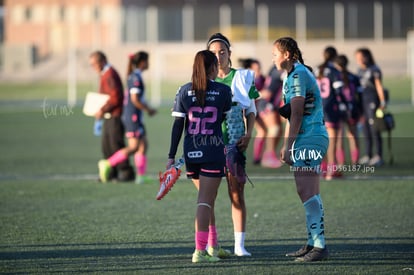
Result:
[151,112]
[285,156]
[99,114]
[243,143]
[383,105]
[170,163]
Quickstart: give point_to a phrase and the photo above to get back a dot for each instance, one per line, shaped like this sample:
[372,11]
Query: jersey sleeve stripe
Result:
[177,114]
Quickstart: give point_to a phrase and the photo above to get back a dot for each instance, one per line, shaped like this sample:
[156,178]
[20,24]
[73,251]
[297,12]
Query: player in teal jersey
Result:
[305,144]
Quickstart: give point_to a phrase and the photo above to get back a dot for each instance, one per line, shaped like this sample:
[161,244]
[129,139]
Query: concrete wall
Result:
[173,61]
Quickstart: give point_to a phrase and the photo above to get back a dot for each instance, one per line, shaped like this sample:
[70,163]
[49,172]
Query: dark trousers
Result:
[370,103]
[112,140]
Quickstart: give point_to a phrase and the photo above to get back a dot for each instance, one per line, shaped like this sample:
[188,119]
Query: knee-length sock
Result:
[315,221]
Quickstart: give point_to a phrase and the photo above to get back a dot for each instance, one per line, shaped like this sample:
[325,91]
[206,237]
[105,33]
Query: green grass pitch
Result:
[55,217]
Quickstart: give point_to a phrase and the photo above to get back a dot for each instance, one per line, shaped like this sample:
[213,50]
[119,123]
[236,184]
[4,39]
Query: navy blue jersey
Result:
[274,83]
[327,81]
[351,95]
[367,78]
[203,141]
[135,86]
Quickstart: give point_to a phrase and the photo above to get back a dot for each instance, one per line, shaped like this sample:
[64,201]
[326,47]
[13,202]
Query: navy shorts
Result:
[212,169]
[134,128]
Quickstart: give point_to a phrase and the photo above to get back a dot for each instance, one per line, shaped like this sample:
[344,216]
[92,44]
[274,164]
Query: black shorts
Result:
[212,169]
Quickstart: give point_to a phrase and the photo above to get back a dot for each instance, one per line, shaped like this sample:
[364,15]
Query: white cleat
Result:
[242,252]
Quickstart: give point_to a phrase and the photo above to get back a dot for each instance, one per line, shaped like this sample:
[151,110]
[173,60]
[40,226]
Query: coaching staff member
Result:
[113,129]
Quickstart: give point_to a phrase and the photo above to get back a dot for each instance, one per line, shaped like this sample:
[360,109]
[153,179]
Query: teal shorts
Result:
[309,151]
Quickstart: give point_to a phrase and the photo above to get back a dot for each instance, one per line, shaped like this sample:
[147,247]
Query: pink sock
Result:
[140,163]
[330,168]
[212,236]
[354,156]
[324,166]
[118,157]
[201,238]
[340,156]
[258,147]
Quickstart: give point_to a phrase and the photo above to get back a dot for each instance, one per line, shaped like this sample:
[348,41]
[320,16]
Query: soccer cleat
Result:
[168,178]
[242,252]
[301,252]
[218,251]
[141,179]
[376,161]
[104,170]
[316,254]
[200,256]
[270,160]
[333,175]
[364,160]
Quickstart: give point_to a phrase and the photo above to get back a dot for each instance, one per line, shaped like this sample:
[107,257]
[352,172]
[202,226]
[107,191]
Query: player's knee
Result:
[273,131]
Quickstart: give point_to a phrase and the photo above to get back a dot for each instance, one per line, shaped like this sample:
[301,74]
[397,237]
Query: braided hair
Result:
[288,44]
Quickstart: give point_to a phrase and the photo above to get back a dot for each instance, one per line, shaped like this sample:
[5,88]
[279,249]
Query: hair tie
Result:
[131,55]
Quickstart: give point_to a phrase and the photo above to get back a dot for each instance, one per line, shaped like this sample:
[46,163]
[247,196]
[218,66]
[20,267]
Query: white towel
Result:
[240,86]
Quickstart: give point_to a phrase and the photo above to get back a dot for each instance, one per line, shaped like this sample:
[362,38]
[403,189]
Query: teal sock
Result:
[314,221]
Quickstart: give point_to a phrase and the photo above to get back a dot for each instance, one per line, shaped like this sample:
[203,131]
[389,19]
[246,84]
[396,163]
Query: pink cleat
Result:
[270,160]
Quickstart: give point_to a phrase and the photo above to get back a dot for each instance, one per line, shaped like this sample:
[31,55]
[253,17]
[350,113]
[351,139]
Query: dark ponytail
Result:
[329,54]
[204,63]
[135,59]
[342,62]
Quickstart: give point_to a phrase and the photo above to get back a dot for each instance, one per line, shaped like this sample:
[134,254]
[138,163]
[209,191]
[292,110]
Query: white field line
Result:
[94,177]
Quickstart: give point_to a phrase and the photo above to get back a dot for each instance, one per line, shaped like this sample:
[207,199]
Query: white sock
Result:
[239,249]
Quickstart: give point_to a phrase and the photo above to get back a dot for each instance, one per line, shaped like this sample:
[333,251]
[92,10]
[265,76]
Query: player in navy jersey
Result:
[199,109]
[268,126]
[328,78]
[349,89]
[132,118]
[373,98]
[305,144]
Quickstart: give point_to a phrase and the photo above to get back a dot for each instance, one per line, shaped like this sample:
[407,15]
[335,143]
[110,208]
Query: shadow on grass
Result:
[263,250]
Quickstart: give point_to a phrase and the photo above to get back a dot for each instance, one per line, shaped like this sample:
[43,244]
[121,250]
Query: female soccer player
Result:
[132,118]
[327,78]
[199,109]
[237,131]
[268,120]
[349,88]
[305,144]
[373,97]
